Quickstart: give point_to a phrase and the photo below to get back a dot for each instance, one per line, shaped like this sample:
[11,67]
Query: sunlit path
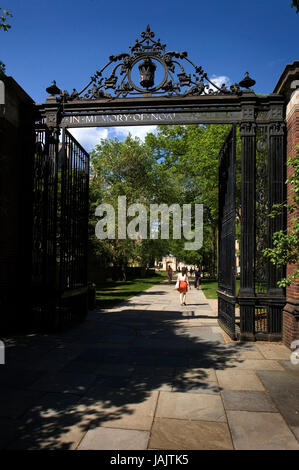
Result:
[148,374]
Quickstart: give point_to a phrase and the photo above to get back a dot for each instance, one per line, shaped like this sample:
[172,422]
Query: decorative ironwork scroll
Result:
[149,69]
[227,215]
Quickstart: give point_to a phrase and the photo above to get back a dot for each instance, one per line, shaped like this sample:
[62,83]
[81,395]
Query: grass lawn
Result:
[110,294]
[209,288]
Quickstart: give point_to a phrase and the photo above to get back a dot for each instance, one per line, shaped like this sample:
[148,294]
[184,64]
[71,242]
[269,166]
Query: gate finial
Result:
[247,82]
[53,89]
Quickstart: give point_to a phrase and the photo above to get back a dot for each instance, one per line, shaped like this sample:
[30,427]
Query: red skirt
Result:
[183,286]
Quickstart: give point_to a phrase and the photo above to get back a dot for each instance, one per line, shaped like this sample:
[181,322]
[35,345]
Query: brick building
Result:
[288,85]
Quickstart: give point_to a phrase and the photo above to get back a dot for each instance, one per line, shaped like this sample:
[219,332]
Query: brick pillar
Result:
[288,85]
[291,309]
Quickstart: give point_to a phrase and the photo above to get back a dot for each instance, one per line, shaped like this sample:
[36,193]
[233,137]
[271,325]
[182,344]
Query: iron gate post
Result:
[246,297]
[227,234]
[276,191]
[277,176]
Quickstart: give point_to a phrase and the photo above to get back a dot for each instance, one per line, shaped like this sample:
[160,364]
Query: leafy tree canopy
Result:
[295,4]
[5,27]
[178,164]
[3,19]
[285,248]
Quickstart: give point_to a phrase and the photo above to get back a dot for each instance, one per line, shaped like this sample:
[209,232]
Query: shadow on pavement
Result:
[104,372]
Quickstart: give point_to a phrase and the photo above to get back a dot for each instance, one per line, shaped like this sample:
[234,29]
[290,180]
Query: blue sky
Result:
[68,40]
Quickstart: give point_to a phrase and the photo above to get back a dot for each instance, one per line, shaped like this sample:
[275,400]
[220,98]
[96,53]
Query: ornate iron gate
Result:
[44,226]
[227,210]
[186,95]
[60,228]
[73,176]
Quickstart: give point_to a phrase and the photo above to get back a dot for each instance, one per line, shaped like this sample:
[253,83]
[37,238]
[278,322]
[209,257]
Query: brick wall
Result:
[290,311]
[290,325]
[16,151]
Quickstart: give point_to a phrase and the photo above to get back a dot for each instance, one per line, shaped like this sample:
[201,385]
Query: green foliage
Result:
[295,4]
[189,155]
[177,165]
[3,20]
[5,27]
[2,68]
[126,168]
[286,243]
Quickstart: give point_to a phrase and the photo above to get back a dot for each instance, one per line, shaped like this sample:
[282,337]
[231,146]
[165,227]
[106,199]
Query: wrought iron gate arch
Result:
[188,96]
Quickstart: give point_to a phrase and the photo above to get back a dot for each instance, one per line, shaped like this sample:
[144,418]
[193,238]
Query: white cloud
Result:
[89,137]
[219,80]
[135,131]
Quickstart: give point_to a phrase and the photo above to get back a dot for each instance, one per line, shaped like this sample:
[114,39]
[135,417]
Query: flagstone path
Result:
[148,374]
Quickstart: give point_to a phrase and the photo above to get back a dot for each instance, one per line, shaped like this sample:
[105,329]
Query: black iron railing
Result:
[60,228]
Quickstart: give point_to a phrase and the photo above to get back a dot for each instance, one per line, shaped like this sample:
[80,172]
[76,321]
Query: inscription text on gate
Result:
[122,119]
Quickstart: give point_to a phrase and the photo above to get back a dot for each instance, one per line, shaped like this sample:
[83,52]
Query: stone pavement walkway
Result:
[149,374]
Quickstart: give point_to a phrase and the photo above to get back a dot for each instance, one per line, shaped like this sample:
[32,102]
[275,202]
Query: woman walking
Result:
[170,273]
[182,285]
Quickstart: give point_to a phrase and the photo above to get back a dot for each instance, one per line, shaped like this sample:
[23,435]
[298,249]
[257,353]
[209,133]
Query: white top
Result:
[182,277]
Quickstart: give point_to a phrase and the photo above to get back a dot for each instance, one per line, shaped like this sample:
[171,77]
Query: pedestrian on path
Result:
[170,273]
[197,275]
[182,285]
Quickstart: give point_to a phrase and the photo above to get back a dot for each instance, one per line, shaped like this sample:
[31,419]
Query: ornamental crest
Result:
[148,69]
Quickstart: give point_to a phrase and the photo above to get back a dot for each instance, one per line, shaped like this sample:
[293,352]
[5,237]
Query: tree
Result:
[295,4]
[177,165]
[5,26]
[189,155]
[3,20]
[126,168]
